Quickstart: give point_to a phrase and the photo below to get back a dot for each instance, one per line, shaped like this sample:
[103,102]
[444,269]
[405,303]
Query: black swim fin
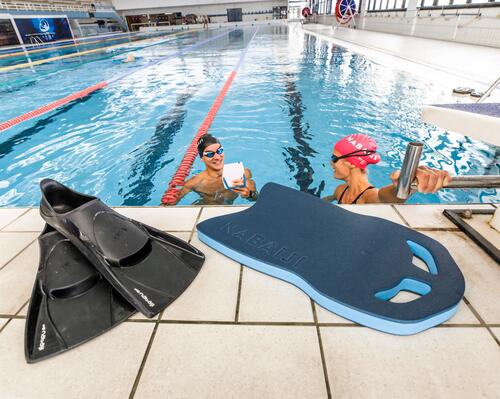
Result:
[71,303]
[148,267]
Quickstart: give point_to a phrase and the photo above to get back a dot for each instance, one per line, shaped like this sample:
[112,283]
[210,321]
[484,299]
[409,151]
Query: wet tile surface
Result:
[213,293]
[264,298]
[30,221]
[441,362]
[13,243]
[7,215]
[482,274]
[233,361]
[105,367]
[431,216]
[167,219]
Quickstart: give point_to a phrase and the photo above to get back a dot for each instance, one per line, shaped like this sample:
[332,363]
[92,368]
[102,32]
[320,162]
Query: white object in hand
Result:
[233,171]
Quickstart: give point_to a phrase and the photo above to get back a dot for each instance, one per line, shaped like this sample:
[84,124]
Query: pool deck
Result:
[448,63]
[238,333]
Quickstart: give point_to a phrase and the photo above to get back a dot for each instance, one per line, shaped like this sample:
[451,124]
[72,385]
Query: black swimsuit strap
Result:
[357,198]
[342,195]
[362,192]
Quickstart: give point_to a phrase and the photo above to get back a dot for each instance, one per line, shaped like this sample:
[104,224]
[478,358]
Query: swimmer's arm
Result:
[189,186]
[385,195]
[428,181]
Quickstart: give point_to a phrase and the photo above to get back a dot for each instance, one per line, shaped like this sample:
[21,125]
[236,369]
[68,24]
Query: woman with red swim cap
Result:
[352,154]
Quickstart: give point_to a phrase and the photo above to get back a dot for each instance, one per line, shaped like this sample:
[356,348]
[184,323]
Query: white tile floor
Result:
[238,333]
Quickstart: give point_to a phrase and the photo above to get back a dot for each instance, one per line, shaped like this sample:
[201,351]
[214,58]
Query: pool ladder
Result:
[407,184]
[488,92]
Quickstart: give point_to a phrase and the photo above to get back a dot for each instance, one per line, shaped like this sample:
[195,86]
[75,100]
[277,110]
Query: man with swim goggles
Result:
[351,156]
[208,184]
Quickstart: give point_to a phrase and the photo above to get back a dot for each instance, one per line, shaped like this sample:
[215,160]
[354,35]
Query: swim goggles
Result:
[357,153]
[211,154]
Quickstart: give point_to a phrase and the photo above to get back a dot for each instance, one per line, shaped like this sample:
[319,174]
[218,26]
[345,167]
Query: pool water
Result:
[292,98]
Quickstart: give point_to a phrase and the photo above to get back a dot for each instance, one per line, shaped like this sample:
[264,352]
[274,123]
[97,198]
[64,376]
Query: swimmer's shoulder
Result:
[339,190]
[195,181]
[370,196]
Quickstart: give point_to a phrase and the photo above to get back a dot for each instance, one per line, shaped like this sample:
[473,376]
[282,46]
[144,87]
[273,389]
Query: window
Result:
[459,3]
[387,5]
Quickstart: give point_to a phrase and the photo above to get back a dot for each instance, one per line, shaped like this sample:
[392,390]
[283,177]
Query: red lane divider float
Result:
[52,106]
[85,92]
[171,195]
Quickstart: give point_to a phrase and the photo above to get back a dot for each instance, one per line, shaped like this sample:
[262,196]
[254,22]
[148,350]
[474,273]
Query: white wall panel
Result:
[483,30]
[145,4]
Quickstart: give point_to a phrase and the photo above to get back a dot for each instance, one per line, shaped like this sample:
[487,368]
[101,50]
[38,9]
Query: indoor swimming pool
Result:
[293,97]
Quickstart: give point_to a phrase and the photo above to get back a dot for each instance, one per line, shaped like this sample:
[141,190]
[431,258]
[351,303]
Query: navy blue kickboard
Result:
[348,263]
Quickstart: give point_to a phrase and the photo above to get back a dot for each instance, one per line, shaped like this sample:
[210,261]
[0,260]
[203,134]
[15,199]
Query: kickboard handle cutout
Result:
[424,255]
[407,284]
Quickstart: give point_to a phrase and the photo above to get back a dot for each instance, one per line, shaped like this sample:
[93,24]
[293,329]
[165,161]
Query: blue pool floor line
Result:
[339,308]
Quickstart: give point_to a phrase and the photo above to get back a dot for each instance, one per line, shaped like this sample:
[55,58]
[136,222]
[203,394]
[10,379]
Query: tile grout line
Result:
[19,253]
[478,316]
[195,223]
[22,307]
[282,323]
[401,216]
[145,358]
[321,351]
[239,323]
[444,229]
[238,296]
[12,221]
[15,316]
[5,325]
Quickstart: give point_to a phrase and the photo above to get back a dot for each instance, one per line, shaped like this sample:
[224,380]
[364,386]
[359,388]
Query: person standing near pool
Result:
[351,156]
[209,185]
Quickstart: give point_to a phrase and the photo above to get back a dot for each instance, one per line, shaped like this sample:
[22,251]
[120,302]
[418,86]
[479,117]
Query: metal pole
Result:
[409,169]
[407,184]
[488,92]
[474,182]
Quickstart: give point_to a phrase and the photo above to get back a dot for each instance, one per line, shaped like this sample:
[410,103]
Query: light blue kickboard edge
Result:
[381,324]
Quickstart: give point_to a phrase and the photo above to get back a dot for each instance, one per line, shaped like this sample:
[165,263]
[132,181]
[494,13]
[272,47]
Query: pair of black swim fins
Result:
[97,268]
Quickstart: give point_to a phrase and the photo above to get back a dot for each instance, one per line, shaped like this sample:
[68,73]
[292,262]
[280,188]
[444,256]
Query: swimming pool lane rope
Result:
[171,195]
[89,90]
[21,53]
[83,41]
[87,52]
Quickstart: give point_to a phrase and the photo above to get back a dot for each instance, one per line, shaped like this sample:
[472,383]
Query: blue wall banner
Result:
[41,30]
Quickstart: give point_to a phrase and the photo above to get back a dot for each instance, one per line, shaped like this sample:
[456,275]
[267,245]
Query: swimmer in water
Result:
[208,184]
[130,58]
[351,156]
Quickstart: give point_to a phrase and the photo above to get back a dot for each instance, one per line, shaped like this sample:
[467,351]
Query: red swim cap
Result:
[358,142]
